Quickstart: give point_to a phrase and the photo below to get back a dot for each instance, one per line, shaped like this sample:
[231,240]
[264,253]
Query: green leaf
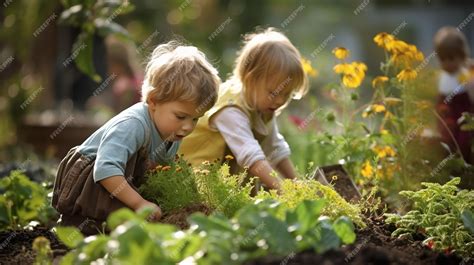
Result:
[83,48]
[70,236]
[328,238]
[308,213]
[121,216]
[468,219]
[210,223]
[345,229]
[105,28]
[276,233]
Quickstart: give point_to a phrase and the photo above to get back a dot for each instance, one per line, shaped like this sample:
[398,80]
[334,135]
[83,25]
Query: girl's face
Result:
[174,120]
[269,99]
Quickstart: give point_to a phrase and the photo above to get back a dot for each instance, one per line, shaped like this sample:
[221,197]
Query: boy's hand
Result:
[155,214]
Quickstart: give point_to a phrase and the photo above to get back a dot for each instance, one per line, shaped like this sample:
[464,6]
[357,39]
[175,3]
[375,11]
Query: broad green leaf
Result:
[83,48]
[70,236]
[345,230]
[308,213]
[276,233]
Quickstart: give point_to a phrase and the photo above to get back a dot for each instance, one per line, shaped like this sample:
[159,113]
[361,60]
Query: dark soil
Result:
[179,217]
[374,245]
[16,246]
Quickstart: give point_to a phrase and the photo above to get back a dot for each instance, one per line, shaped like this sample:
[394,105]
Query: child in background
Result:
[267,74]
[102,175]
[456,93]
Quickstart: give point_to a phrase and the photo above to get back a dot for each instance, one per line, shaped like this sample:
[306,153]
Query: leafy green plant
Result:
[255,231]
[179,185]
[222,191]
[22,201]
[171,187]
[438,214]
[294,192]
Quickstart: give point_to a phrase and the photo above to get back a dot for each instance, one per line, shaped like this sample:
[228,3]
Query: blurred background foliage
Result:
[41,85]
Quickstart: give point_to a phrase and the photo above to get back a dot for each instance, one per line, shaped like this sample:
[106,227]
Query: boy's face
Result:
[174,120]
[451,64]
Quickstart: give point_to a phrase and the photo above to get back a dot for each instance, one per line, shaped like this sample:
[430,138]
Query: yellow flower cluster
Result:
[352,73]
[402,54]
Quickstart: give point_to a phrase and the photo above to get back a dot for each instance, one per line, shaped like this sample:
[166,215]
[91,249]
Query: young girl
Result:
[268,73]
[456,91]
[102,175]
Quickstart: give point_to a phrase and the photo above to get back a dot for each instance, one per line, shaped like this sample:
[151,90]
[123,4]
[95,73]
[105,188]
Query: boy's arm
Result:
[286,168]
[119,188]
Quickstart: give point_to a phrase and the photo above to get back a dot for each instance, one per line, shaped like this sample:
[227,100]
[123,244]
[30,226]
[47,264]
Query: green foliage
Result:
[93,17]
[255,231]
[179,185]
[222,191]
[438,213]
[171,187]
[22,201]
[294,192]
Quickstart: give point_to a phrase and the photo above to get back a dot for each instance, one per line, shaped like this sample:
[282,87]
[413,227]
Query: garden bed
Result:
[16,246]
[373,246]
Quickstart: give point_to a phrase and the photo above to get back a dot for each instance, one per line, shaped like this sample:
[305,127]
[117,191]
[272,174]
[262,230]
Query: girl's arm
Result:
[119,188]
[286,168]
[263,170]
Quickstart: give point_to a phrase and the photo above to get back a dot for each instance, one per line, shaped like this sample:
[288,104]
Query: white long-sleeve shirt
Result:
[236,130]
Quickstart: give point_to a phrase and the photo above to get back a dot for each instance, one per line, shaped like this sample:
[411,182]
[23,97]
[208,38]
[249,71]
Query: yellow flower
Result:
[367,170]
[383,151]
[398,46]
[379,81]
[307,68]
[406,74]
[353,73]
[334,177]
[351,81]
[178,169]
[341,53]
[228,157]
[206,163]
[159,167]
[374,108]
[383,39]
[377,108]
[341,68]
[384,132]
[166,168]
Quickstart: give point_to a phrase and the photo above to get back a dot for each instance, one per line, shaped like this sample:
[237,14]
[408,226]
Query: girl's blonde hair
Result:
[180,73]
[268,57]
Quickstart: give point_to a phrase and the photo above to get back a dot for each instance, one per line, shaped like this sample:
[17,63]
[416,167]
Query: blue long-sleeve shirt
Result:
[122,136]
